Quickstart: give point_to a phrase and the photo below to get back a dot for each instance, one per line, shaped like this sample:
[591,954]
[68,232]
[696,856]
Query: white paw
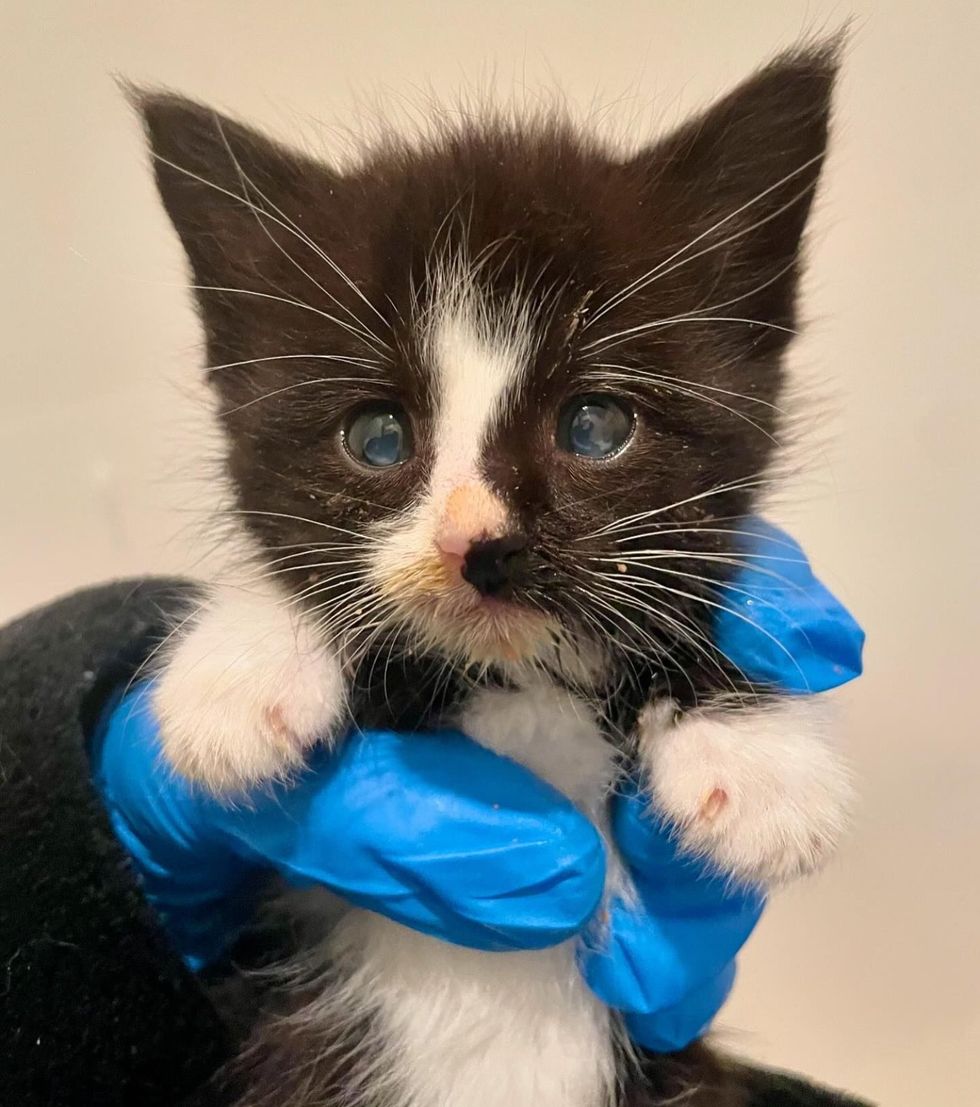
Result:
[759,792]
[245,692]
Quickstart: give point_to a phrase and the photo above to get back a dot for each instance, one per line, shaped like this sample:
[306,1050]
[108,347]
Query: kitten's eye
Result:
[379,436]
[595,426]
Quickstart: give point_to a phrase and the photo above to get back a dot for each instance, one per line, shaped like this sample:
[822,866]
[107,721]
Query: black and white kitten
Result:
[497,405]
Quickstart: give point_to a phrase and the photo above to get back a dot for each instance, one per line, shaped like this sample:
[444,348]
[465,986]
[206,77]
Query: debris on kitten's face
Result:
[506,391]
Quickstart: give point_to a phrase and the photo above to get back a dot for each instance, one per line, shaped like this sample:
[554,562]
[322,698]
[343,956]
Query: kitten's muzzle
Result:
[493,565]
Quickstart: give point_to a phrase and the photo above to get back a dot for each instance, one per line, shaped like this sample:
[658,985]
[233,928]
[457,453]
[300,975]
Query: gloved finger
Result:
[680,924]
[673,1028]
[647,842]
[779,624]
[435,832]
[204,894]
[648,960]
[650,847]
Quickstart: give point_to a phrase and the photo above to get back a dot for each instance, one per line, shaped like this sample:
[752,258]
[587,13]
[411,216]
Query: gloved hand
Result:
[430,829]
[445,837]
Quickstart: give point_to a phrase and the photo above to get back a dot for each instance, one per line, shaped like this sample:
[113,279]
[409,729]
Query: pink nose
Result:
[452,542]
[472,514]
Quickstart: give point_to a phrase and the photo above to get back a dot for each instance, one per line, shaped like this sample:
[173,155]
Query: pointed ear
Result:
[740,178]
[230,192]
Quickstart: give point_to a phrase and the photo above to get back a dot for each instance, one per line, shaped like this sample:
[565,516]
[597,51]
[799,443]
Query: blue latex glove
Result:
[780,625]
[666,957]
[431,830]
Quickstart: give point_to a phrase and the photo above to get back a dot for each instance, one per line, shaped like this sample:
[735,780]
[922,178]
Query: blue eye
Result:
[379,437]
[595,427]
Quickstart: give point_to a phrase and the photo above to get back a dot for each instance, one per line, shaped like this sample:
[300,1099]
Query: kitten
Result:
[497,403]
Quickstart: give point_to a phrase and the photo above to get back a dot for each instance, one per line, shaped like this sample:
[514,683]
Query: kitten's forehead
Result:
[520,204]
[476,352]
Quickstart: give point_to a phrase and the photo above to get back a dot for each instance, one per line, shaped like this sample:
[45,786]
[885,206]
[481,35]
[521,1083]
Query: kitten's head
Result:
[502,394]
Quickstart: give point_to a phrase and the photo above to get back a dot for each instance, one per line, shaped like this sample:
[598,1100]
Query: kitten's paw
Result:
[759,792]
[245,692]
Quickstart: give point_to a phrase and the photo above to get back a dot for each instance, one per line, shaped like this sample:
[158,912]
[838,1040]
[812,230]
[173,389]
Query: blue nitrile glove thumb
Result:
[665,957]
[780,625]
[429,829]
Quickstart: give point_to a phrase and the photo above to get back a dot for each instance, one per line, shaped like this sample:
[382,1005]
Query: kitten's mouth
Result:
[451,616]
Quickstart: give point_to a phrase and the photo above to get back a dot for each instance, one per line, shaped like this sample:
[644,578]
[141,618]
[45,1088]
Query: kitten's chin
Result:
[450,617]
[482,631]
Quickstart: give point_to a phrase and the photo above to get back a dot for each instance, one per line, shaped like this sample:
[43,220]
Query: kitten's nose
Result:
[492,564]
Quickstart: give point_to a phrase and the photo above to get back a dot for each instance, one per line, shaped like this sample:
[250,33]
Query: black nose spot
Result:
[491,566]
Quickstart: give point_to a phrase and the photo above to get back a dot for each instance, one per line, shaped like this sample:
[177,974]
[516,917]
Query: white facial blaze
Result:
[477,355]
[477,361]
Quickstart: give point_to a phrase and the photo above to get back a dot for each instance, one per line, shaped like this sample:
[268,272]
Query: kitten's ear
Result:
[742,177]
[230,192]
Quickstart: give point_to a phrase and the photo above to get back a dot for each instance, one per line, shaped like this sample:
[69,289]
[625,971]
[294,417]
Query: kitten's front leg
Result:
[759,791]
[246,689]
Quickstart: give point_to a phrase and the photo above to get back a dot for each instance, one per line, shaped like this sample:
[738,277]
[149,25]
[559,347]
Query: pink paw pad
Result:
[713,805]
[276,722]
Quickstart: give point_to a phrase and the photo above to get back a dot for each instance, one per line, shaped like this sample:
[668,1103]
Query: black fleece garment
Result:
[95,1007]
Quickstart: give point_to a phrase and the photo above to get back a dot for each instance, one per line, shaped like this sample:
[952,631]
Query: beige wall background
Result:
[868,977]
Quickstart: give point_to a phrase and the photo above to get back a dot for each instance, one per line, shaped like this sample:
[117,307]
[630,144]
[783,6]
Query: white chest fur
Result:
[460,1028]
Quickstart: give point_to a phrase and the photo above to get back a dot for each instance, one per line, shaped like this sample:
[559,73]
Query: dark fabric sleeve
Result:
[94,1006]
[780,1089]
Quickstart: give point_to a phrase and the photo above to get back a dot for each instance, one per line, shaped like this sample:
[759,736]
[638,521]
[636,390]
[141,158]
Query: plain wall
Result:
[866,977]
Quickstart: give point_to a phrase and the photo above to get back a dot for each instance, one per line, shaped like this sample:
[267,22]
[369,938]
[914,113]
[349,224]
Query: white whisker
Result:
[703,646]
[629,372]
[301,519]
[689,632]
[283,300]
[368,363]
[620,337]
[642,516]
[292,387]
[660,269]
[366,336]
[720,607]
[291,225]
[670,387]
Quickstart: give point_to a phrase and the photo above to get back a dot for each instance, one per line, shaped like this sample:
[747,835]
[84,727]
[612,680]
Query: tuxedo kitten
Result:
[498,402]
